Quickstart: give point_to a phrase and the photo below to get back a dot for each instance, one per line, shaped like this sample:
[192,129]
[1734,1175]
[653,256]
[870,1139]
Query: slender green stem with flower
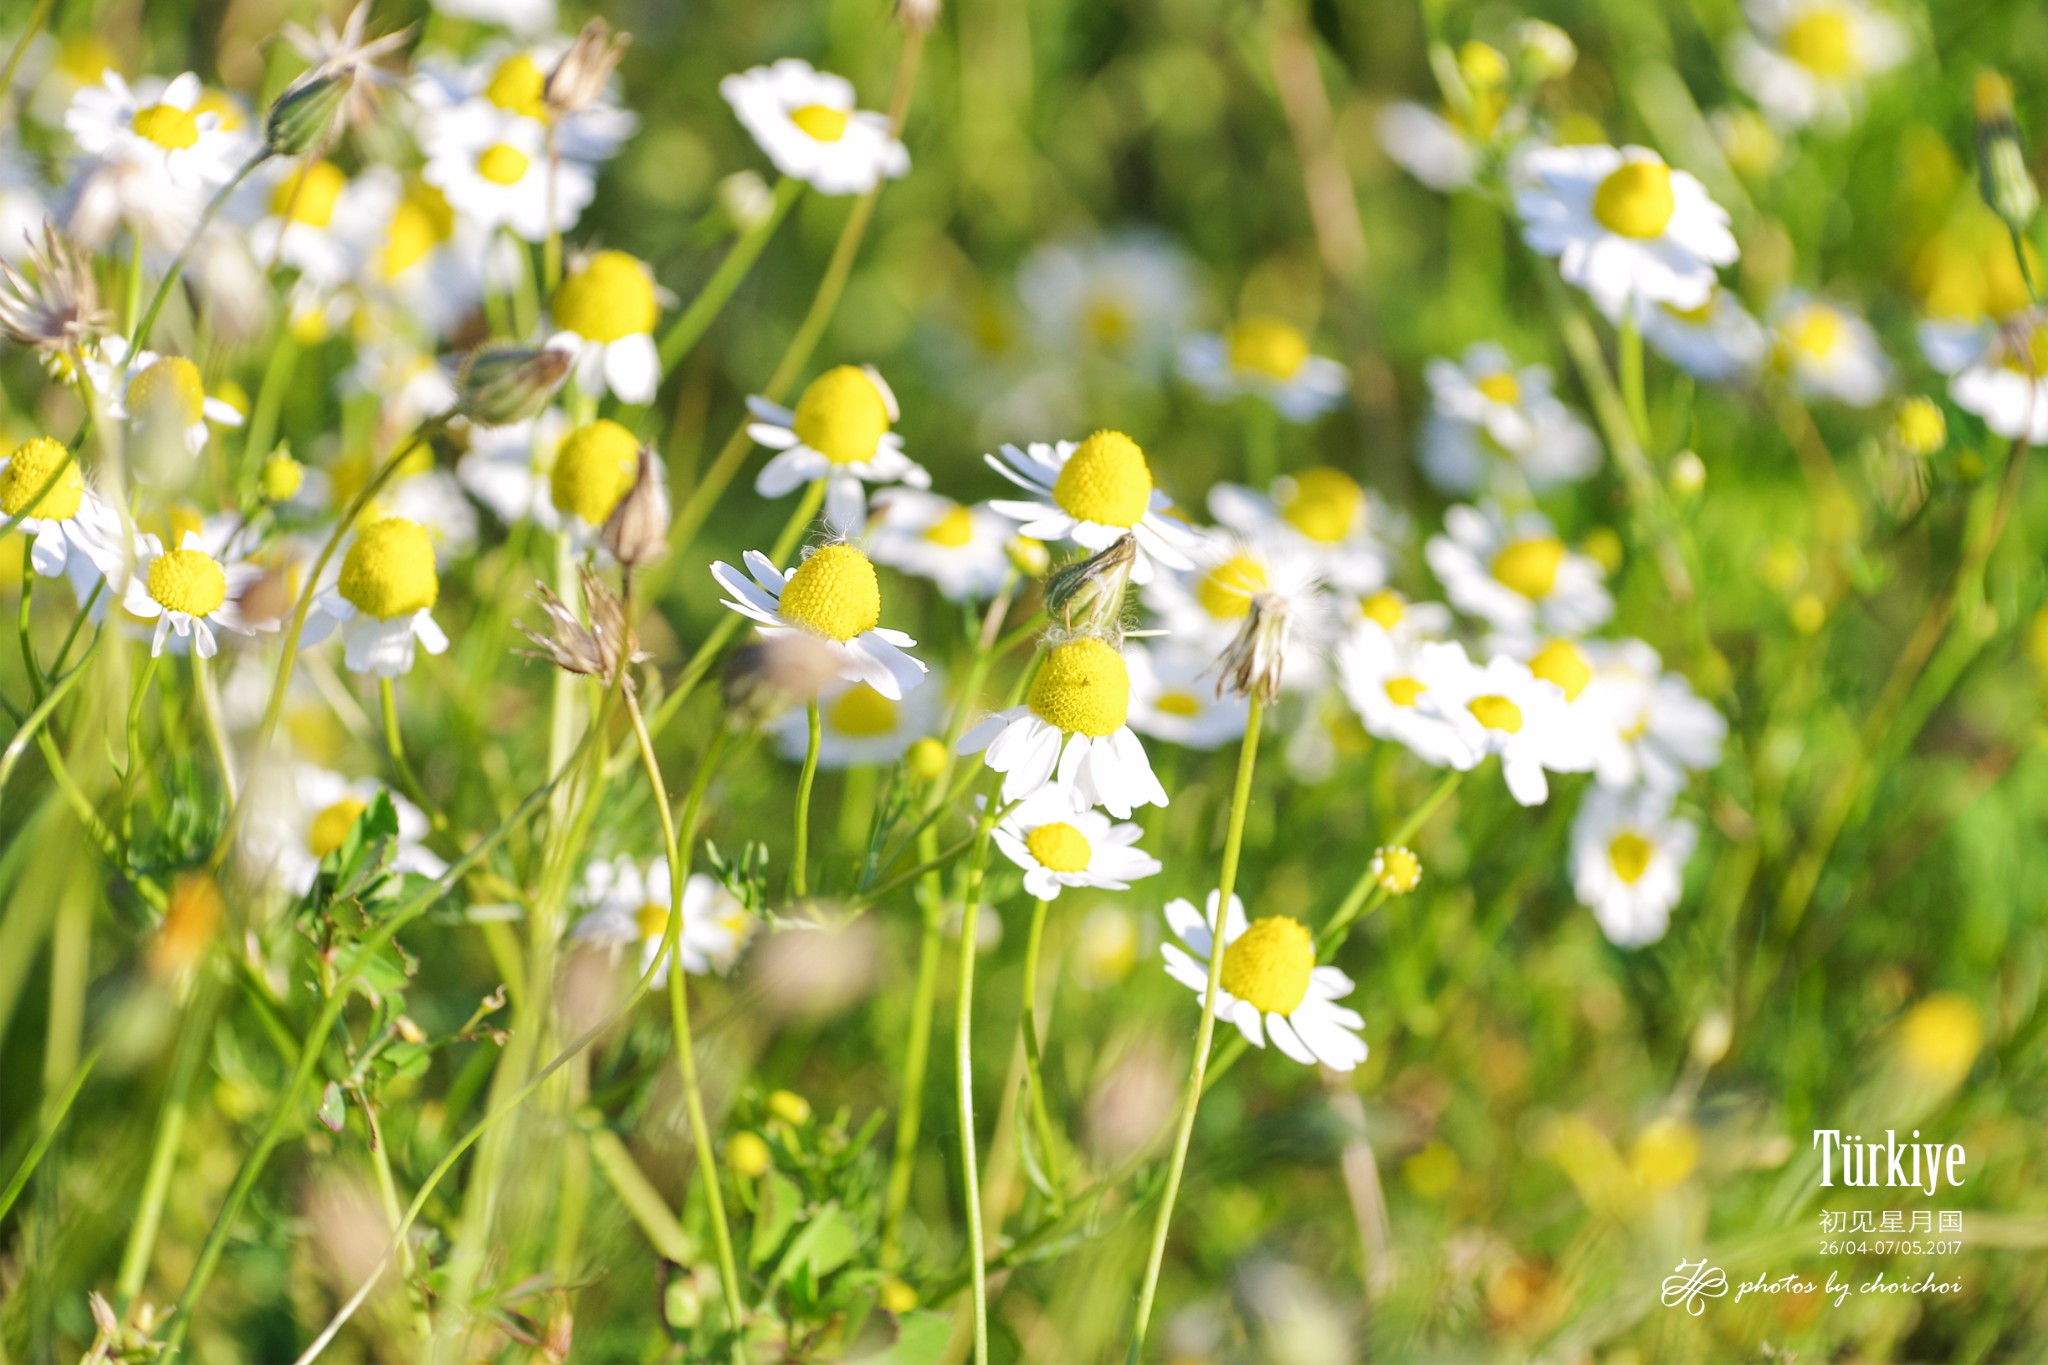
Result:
[1041,1118]
[139,332]
[691,324]
[963,1057]
[194,1037]
[798,880]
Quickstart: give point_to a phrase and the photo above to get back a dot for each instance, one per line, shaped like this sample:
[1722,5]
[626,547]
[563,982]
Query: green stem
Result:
[798,882]
[1629,342]
[216,733]
[21,621]
[963,1056]
[140,331]
[916,1051]
[277,375]
[684,332]
[1365,894]
[1041,1118]
[51,1122]
[394,745]
[32,724]
[36,19]
[194,1041]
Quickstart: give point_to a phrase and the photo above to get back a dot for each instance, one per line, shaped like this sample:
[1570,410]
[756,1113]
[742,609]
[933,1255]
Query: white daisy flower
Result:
[509,469]
[1173,697]
[1628,862]
[1339,528]
[382,600]
[858,727]
[158,126]
[146,389]
[1093,493]
[408,383]
[629,906]
[74,531]
[1385,678]
[1486,411]
[1648,727]
[1828,351]
[514,79]
[1059,845]
[806,122]
[840,433]
[1401,621]
[1267,357]
[1270,978]
[2002,377]
[415,255]
[1623,225]
[1516,574]
[286,840]
[1124,296]
[605,310]
[300,226]
[1718,341]
[1429,146]
[832,596]
[1206,606]
[492,166]
[1502,708]
[1072,733]
[1808,60]
[189,591]
[961,548]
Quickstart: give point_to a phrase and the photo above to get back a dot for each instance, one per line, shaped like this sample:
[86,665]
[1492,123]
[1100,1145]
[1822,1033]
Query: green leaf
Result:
[781,1202]
[826,1242]
[333,1111]
[921,1339]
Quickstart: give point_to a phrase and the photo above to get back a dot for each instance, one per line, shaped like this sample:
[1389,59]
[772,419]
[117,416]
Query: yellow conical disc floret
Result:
[1324,505]
[611,297]
[952,530]
[1269,965]
[170,388]
[389,571]
[331,826]
[1820,40]
[519,86]
[1496,713]
[168,126]
[860,712]
[594,468]
[30,467]
[821,121]
[1629,852]
[843,415]
[834,593]
[1226,591]
[190,581]
[1563,663]
[421,222]
[309,196]
[1385,608]
[1083,688]
[1059,847]
[1269,347]
[1502,386]
[502,164]
[1635,200]
[1530,566]
[1105,481]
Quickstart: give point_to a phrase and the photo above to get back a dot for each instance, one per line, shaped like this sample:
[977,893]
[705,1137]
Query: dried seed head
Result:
[595,648]
[56,306]
[766,678]
[636,533]
[1252,662]
[578,80]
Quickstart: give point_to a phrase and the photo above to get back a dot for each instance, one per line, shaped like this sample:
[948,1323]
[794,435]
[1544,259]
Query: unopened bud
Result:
[281,477]
[790,1107]
[1396,869]
[1688,474]
[1088,595]
[919,16]
[1483,67]
[746,199]
[506,384]
[926,760]
[1711,1037]
[2002,172]
[578,80]
[1027,556]
[1548,52]
[302,119]
[636,533]
[1918,427]
[747,1154]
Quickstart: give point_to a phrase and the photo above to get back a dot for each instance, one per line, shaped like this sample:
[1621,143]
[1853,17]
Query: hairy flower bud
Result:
[1087,596]
[636,533]
[506,384]
[302,119]
[2002,172]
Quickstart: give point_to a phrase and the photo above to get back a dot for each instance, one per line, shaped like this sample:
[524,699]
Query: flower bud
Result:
[637,531]
[1027,556]
[1548,52]
[2002,172]
[1918,427]
[301,120]
[746,199]
[281,476]
[747,1154]
[1397,870]
[1688,474]
[506,384]
[919,16]
[926,760]
[1087,596]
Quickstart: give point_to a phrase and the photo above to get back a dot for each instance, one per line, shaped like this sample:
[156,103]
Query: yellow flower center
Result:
[1324,504]
[1384,608]
[842,415]
[1815,332]
[389,571]
[281,477]
[1496,713]
[952,530]
[651,920]
[1105,481]
[1629,853]
[1108,322]
[1082,688]
[1269,965]
[421,222]
[1226,591]
[1530,566]
[309,196]
[1059,847]
[1635,199]
[1268,346]
[219,102]
[168,126]
[1501,387]
[611,297]
[169,389]
[190,581]
[1941,1036]
[820,121]
[834,593]
[519,86]
[1820,40]
[1692,317]
[1400,871]
[31,466]
[330,827]
[1563,663]
[1404,691]
[2030,356]
[860,712]
[594,468]
[1178,703]
[502,164]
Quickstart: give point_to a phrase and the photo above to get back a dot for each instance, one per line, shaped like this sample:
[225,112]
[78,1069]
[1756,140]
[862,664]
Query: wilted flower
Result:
[1254,661]
[776,672]
[596,648]
[56,307]
[578,80]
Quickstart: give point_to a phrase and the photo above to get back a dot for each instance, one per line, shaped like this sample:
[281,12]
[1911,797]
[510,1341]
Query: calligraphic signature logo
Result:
[1693,1285]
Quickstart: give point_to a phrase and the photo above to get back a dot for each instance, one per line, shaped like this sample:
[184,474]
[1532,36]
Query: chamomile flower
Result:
[1828,351]
[1486,412]
[1123,297]
[1094,493]
[593,468]
[858,727]
[286,840]
[1718,341]
[840,433]
[382,600]
[1270,984]
[1648,727]
[1385,679]
[1516,574]
[1206,606]
[1808,60]
[1173,697]
[1401,621]
[1502,708]
[834,597]
[521,16]
[2005,379]
[960,548]
[1324,515]
[1059,845]
[300,226]
[1628,862]
[157,392]
[1072,733]
[492,167]
[1267,357]
[75,532]
[415,255]
[1968,279]
[805,120]
[509,469]
[605,310]
[629,907]
[1624,225]
[162,128]
[515,80]
[188,592]
[1440,153]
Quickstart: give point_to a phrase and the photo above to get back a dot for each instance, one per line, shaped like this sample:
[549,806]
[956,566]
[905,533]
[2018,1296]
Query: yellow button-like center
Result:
[168,126]
[651,920]
[842,415]
[280,478]
[1082,688]
[952,530]
[1530,566]
[1269,347]
[1384,608]
[1635,200]
[29,468]
[1821,41]
[594,468]
[502,164]
[1226,591]
[1324,504]
[190,581]
[1059,847]
[1496,713]
[611,297]
[860,712]
[820,121]
[421,222]
[1270,964]
[1816,332]
[1105,481]
[1108,321]
[220,103]
[1563,663]
[519,86]
[1178,703]
[1404,691]
[310,195]
[168,389]
[389,571]
[330,827]
[834,593]
[1629,852]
